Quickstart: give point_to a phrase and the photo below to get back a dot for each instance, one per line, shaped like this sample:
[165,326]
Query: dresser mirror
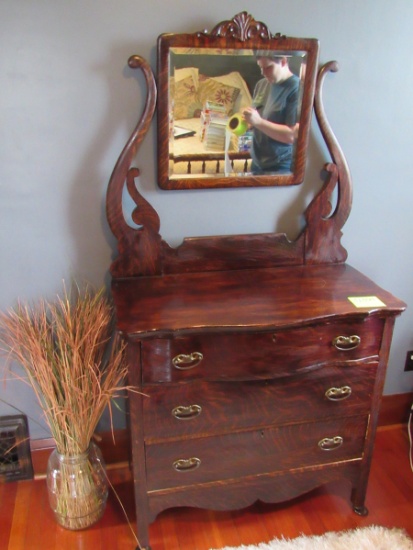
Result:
[205,82]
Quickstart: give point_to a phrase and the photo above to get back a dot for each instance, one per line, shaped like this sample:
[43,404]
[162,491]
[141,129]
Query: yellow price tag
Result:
[366,301]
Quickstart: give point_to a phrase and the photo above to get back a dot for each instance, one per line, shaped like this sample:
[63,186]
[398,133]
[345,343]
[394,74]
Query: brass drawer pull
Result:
[188,361]
[186,464]
[346,343]
[330,443]
[338,394]
[186,412]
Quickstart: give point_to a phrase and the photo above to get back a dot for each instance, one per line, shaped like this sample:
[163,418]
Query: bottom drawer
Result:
[259,451]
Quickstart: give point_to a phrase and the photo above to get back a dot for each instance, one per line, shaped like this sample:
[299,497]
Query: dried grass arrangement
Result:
[75,368]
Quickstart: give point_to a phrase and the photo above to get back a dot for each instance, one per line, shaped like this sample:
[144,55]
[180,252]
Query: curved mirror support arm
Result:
[138,248]
[323,231]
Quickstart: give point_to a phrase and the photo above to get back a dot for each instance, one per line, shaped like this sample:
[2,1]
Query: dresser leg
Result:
[361,510]
[143,538]
[358,497]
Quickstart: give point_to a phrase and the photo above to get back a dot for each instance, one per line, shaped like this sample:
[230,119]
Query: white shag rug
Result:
[366,538]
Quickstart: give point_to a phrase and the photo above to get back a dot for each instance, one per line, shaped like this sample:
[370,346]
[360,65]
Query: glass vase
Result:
[77,488]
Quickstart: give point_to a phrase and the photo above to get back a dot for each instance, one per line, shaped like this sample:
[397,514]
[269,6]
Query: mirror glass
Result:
[214,98]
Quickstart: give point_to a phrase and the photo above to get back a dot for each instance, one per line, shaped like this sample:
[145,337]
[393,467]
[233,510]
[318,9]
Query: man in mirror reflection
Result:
[273,116]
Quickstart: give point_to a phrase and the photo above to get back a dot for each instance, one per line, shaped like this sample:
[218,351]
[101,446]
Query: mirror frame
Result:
[240,33]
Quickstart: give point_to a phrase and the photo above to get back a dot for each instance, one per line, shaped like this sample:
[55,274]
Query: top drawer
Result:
[259,355]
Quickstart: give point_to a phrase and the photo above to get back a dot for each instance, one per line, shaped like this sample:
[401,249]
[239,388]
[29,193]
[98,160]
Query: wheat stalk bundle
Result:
[73,364]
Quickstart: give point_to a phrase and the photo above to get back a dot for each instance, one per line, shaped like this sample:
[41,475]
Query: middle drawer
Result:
[217,407]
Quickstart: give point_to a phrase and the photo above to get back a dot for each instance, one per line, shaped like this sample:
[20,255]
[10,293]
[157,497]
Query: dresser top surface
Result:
[246,299]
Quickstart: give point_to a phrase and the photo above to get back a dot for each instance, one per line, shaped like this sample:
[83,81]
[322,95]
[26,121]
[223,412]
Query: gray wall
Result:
[68,103]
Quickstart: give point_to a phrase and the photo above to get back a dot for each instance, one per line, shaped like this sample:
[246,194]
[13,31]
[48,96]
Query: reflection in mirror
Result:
[214,98]
[234,106]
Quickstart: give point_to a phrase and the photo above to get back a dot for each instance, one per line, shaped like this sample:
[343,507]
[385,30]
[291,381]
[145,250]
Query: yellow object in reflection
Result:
[237,125]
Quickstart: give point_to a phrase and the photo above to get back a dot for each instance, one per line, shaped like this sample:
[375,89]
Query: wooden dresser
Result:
[260,360]
[259,384]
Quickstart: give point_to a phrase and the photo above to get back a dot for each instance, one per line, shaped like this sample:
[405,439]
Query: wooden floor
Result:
[26,520]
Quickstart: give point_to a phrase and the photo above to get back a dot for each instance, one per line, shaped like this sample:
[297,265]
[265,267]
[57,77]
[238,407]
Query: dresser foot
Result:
[361,510]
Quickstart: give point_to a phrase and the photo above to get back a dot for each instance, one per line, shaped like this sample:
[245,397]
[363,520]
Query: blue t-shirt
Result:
[277,103]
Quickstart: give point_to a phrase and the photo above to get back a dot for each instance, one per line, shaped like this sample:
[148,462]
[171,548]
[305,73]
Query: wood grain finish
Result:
[394,411]
[141,249]
[259,451]
[242,32]
[389,498]
[252,403]
[258,355]
[235,342]
[254,299]
[261,356]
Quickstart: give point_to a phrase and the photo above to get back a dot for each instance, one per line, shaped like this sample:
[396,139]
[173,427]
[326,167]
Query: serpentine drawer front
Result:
[215,407]
[259,355]
[270,449]
[278,403]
